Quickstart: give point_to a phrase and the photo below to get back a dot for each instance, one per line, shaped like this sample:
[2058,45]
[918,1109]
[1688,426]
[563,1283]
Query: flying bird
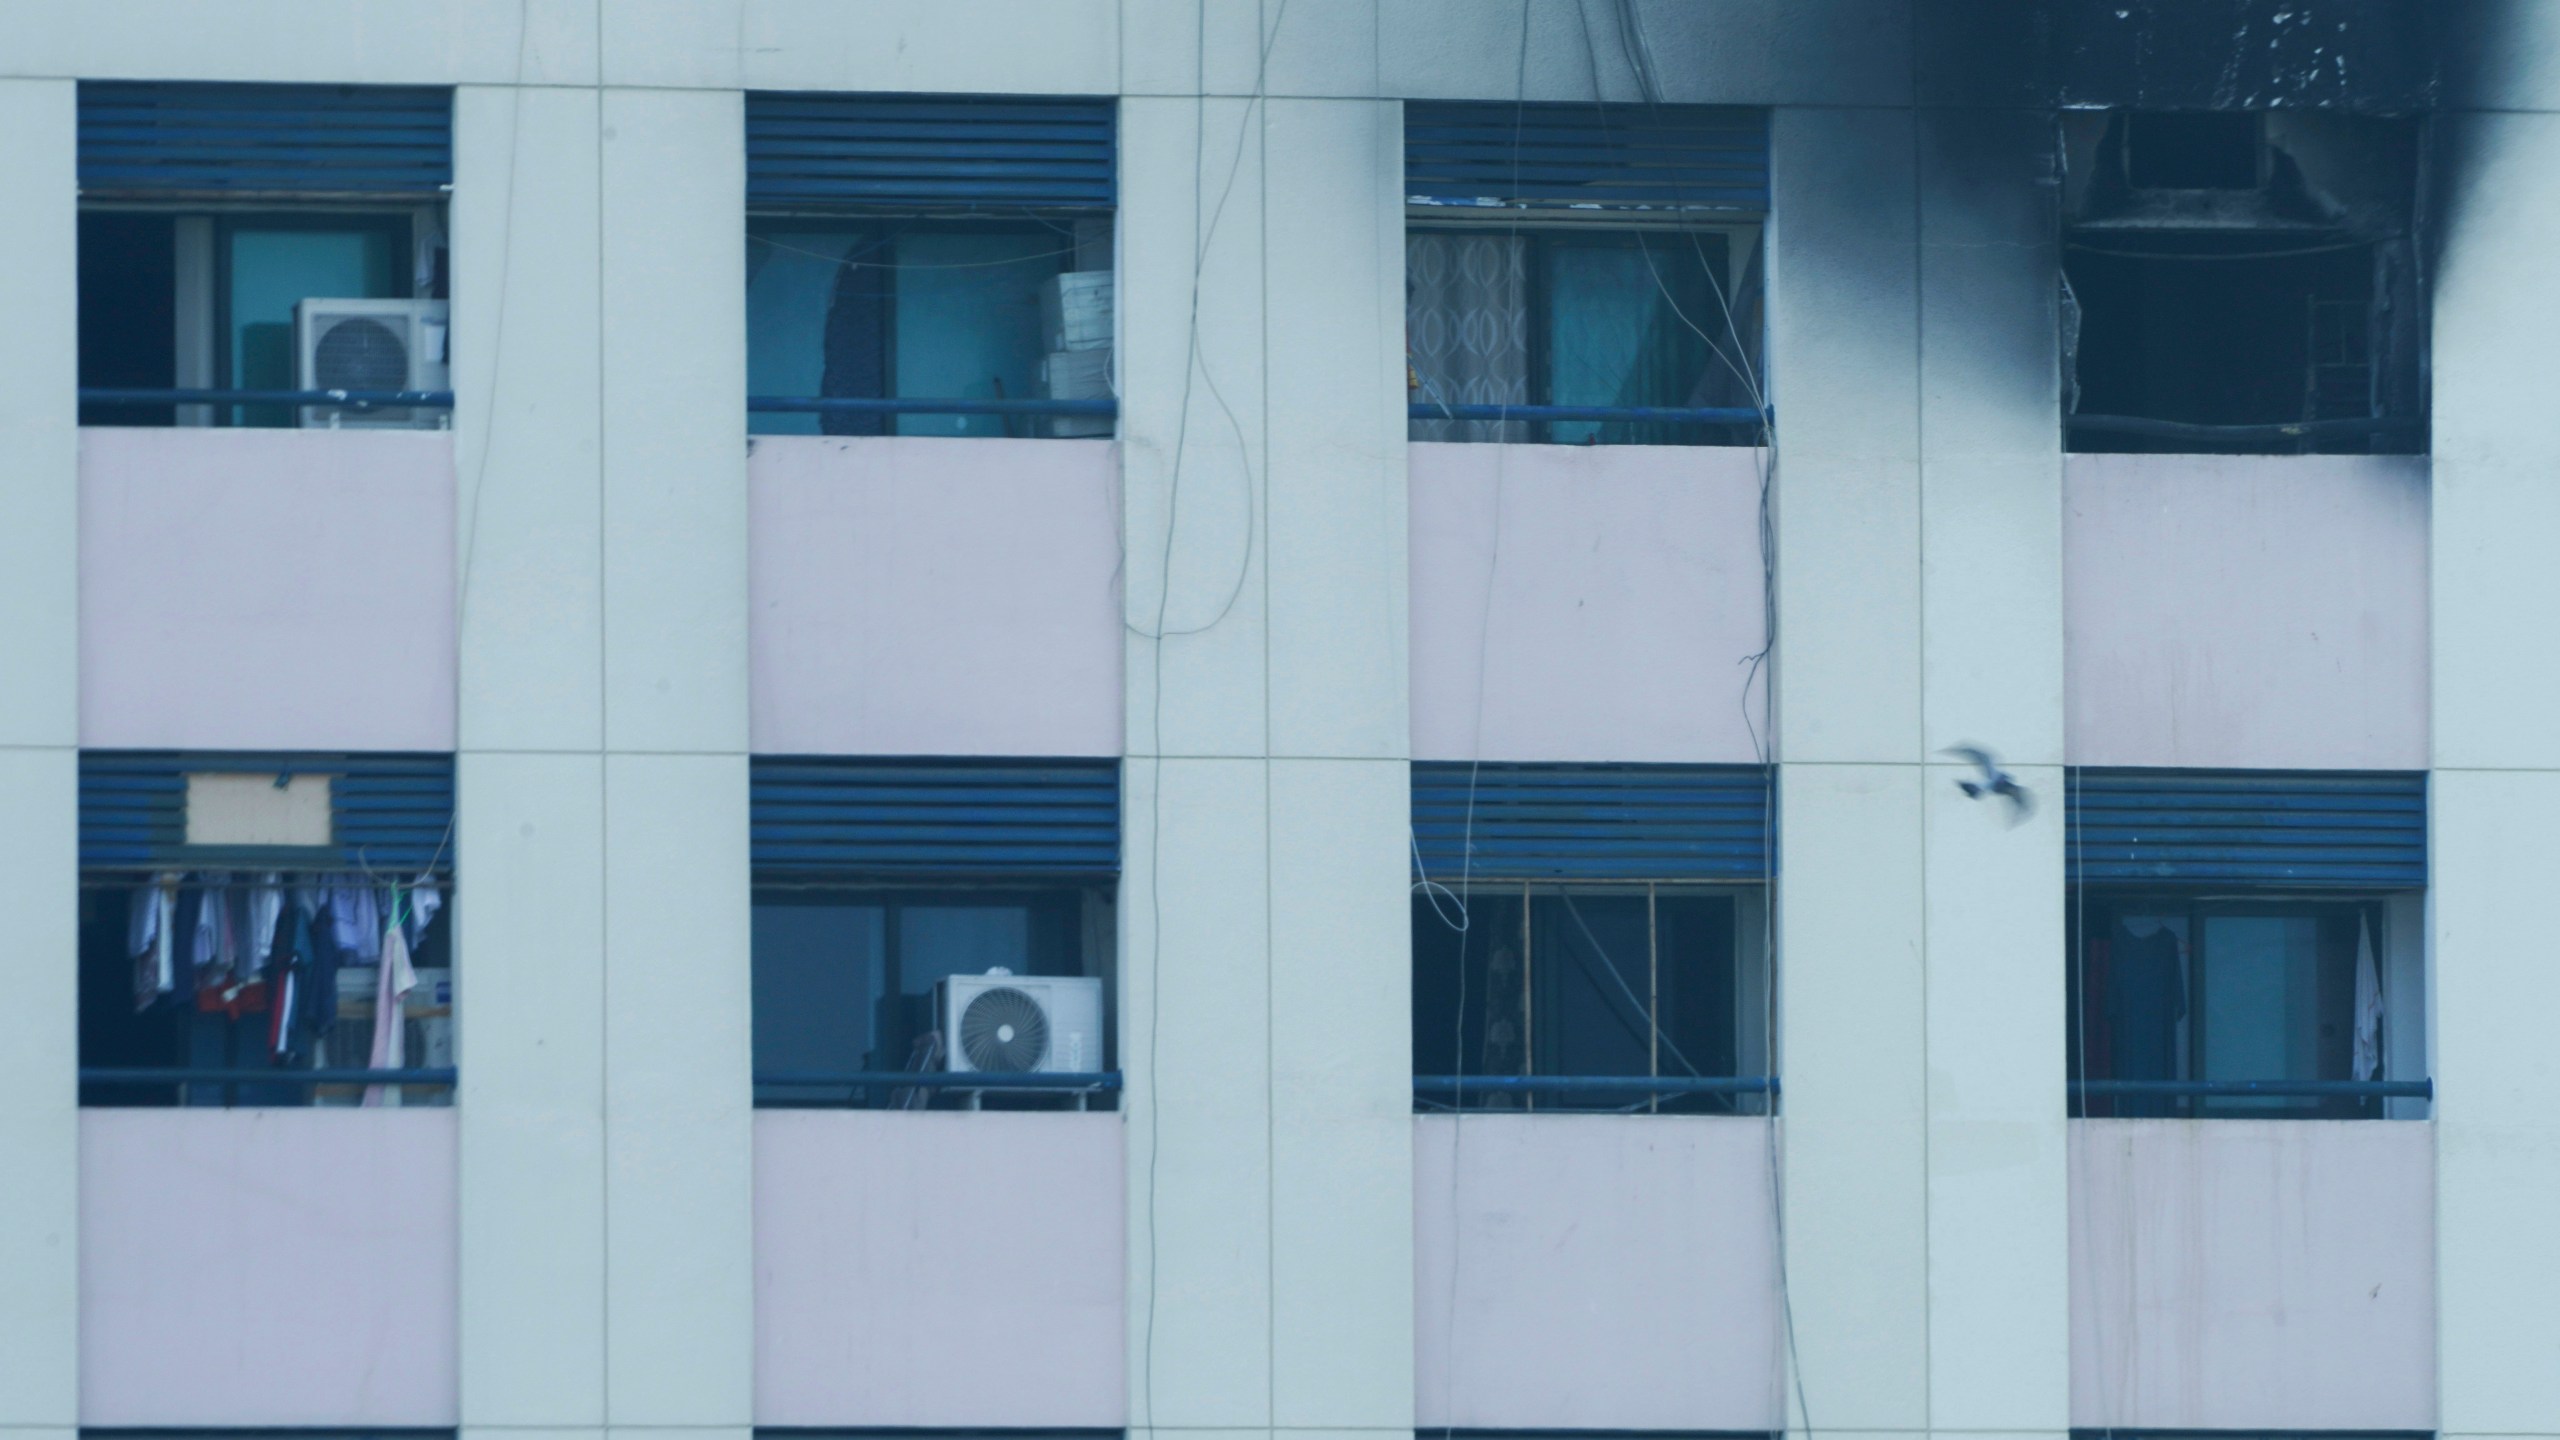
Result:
[1994,781]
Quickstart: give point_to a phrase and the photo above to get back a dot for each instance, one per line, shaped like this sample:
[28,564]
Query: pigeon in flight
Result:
[1994,781]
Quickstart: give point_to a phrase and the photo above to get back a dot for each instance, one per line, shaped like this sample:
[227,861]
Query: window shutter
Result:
[2280,829]
[1660,157]
[1591,822]
[387,811]
[834,818]
[301,140]
[830,152]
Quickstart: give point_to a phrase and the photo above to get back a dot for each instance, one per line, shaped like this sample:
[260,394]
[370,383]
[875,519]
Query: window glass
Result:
[845,982]
[968,322]
[1614,319]
[128,316]
[901,311]
[264,971]
[1581,982]
[2228,991]
[1622,330]
[792,281]
[816,991]
[269,271]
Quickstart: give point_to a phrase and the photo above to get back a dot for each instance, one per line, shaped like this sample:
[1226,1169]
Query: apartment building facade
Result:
[1676,718]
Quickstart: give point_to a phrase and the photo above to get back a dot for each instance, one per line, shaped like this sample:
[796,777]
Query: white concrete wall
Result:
[266,589]
[1264,947]
[2497,759]
[942,1269]
[267,1268]
[39,769]
[2247,611]
[606,1265]
[2253,1275]
[1919,522]
[1588,1272]
[1579,602]
[917,596]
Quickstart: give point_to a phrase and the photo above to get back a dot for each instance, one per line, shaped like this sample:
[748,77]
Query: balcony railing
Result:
[2289,1089]
[1457,1087]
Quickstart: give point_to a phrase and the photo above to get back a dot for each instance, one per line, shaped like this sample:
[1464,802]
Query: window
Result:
[2180,989]
[1590,937]
[909,310]
[1589,984]
[1610,319]
[246,921]
[2242,282]
[2247,944]
[929,265]
[262,238]
[921,923]
[1597,268]
[208,301]
[851,982]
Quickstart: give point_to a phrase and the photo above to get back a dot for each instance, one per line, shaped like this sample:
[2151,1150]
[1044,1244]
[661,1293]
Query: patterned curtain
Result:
[1466,330]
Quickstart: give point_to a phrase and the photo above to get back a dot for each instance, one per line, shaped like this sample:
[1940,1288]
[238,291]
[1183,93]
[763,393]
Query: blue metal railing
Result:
[2299,1089]
[2358,428]
[1646,414]
[341,399]
[901,405]
[1090,1081]
[243,1075]
[1464,1085]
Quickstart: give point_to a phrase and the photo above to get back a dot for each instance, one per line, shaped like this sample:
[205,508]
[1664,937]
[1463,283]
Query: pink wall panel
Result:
[267,589]
[1607,1272]
[2253,1274]
[267,1268]
[2246,611]
[939,1269]
[1583,602]
[919,596]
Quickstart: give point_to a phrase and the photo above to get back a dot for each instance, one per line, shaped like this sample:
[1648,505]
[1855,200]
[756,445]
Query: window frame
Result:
[1062,906]
[2096,914]
[1544,232]
[1745,959]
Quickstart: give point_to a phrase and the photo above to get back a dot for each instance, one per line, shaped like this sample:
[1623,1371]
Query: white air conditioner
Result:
[1020,1023]
[371,345]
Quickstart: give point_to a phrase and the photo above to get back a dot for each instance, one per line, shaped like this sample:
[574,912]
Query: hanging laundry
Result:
[355,917]
[151,937]
[392,983]
[264,904]
[2368,1055]
[425,899]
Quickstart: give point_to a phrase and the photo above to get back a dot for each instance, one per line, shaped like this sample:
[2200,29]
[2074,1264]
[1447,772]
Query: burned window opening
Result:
[2242,284]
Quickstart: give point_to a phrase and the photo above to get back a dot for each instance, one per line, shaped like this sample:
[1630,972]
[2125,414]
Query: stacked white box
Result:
[1077,375]
[1075,310]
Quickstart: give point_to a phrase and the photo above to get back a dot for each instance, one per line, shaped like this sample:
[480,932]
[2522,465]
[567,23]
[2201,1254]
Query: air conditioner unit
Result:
[1044,1024]
[371,345]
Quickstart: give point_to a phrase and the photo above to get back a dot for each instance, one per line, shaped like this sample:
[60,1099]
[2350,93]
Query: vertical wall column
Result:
[679,1157]
[2496,784]
[1920,960]
[529,808]
[606,1165]
[39,764]
[1265,932]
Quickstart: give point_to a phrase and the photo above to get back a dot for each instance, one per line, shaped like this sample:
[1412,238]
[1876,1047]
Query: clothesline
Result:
[272,943]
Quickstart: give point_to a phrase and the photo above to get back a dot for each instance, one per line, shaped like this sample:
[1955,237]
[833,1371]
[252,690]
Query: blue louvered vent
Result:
[1591,822]
[389,812]
[850,818]
[303,140]
[1705,157]
[831,152]
[2282,829]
